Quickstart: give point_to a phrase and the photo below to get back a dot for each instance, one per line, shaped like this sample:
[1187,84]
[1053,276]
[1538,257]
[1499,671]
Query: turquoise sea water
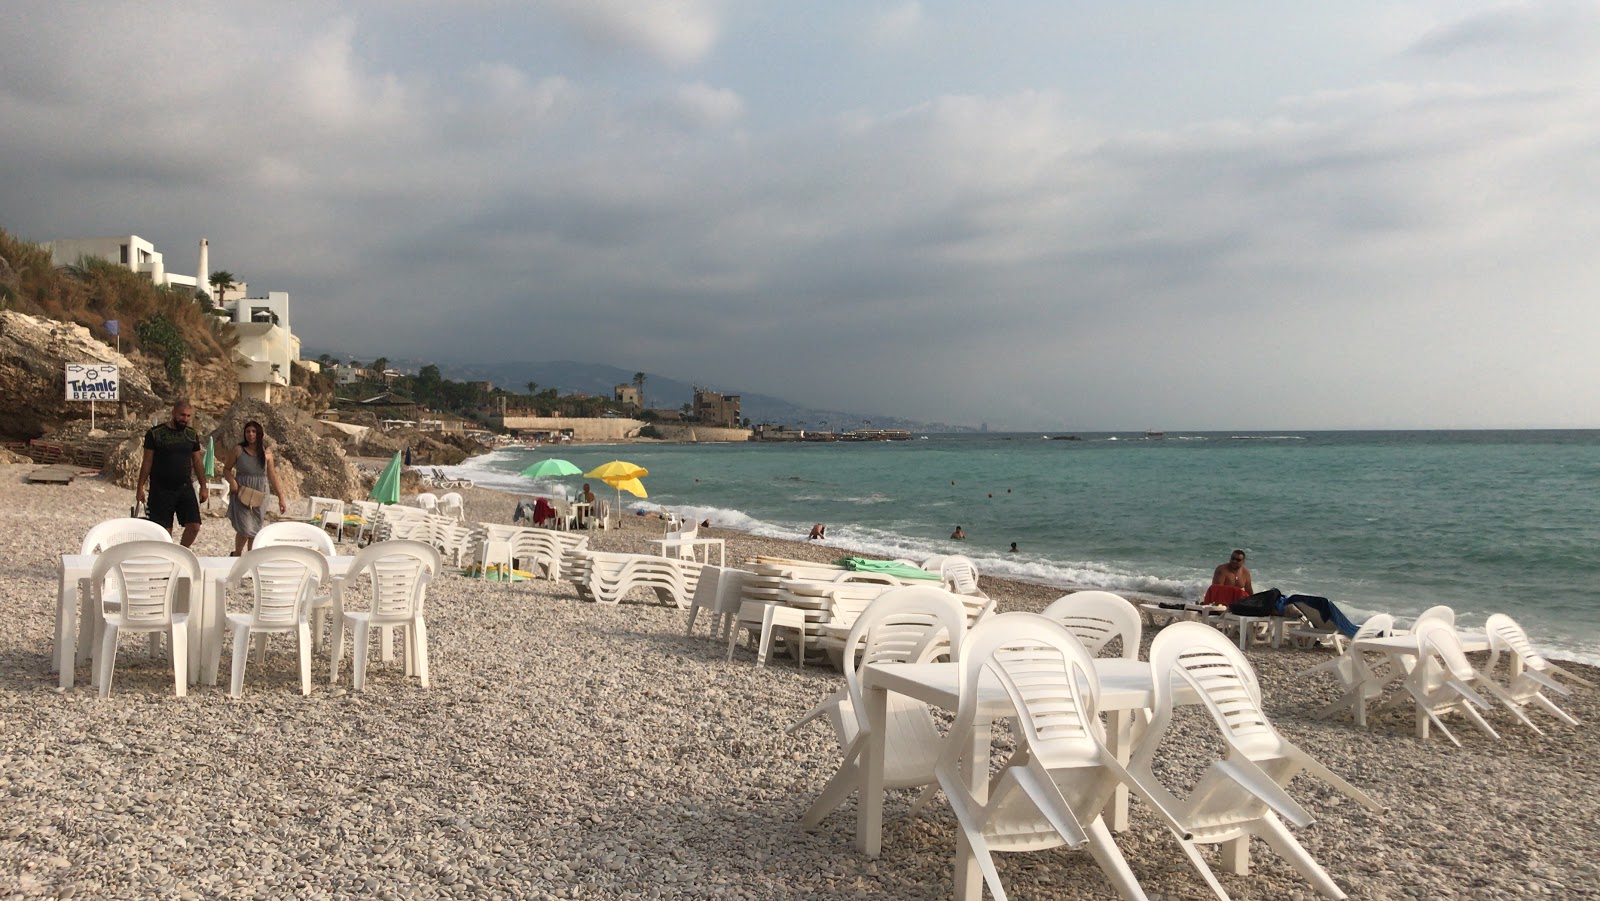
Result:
[1397,521]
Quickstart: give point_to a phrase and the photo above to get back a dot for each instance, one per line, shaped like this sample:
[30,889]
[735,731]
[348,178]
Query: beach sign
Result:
[92,382]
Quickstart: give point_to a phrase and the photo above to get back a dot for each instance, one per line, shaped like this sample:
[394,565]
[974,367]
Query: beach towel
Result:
[887,567]
[1224,595]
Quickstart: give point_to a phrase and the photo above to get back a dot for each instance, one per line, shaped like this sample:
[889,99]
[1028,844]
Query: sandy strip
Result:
[573,751]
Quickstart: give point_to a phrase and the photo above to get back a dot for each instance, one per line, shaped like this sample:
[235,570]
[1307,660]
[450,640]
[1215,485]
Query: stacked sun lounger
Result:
[607,578]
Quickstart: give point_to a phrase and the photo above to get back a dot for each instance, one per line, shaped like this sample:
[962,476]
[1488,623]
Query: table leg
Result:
[66,649]
[1120,734]
[975,770]
[869,803]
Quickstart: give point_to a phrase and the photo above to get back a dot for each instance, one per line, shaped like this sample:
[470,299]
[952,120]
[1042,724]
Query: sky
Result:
[1036,215]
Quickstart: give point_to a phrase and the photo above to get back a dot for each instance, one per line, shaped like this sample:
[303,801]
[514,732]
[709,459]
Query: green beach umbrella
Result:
[211,458]
[550,468]
[387,489]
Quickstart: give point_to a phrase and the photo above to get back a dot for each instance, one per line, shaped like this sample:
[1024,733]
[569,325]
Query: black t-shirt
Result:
[172,465]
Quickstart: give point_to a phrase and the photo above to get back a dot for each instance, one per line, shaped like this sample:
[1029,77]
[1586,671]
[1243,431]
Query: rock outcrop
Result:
[33,357]
[306,463]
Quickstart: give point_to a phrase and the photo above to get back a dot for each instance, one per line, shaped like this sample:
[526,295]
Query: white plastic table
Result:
[1126,686]
[205,623]
[1399,649]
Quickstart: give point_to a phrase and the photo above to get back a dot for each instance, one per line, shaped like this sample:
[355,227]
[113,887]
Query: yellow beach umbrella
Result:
[623,476]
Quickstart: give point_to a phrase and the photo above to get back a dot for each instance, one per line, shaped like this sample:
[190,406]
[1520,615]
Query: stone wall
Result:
[622,429]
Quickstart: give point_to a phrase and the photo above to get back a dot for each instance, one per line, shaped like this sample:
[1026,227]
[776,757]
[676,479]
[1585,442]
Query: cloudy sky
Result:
[1041,215]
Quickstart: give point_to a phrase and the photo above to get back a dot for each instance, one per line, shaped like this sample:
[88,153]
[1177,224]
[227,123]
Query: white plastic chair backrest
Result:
[119,531]
[1507,634]
[1440,613]
[959,573]
[1049,677]
[1435,637]
[451,504]
[150,574]
[320,505]
[295,534]
[898,627]
[283,578]
[401,571]
[428,501]
[851,575]
[932,564]
[1378,625]
[1219,673]
[1096,617]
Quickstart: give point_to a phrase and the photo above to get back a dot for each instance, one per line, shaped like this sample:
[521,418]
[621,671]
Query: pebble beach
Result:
[570,750]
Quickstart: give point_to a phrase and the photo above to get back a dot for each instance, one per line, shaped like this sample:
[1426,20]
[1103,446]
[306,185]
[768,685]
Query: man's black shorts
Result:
[163,503]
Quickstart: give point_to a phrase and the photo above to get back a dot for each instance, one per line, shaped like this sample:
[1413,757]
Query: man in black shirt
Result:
[172,463]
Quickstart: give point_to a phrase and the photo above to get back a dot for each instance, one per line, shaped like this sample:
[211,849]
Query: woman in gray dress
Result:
[250,466]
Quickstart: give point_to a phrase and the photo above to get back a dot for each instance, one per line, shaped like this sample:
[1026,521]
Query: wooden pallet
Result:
[57,474]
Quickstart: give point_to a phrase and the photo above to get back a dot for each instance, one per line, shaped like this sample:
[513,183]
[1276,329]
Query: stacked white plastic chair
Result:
[304,535]
[400,572]
[428,501]
[283,581]
[960,575]
[717,593]
[158,582]
[1529,673]
[1052,790]
[1241,795]
[900,626]
[1096,618]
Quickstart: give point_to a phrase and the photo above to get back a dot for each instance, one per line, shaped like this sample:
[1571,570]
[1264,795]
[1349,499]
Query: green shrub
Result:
[157,333]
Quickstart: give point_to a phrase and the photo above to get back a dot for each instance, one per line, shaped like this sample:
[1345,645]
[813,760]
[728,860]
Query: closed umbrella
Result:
[387,489]
[211,458]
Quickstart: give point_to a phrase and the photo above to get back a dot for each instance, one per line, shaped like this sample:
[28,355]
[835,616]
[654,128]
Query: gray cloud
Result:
[1384,253]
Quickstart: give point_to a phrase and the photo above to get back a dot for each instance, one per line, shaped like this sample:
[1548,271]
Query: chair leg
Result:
[303,634]
[1277,835]
[843,784]
[241,654]
[358,678]
[693,609]
[261,648]
[338,649]
[106,660]
[1105,852]
[766,636]
[419,642]
[387,633]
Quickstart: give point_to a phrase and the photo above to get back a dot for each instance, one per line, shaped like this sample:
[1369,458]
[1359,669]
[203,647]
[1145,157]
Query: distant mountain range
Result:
[661,392]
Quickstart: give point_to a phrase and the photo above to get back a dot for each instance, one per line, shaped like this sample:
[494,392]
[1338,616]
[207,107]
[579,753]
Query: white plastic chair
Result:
[1442,682]
[111,533]
[1357,679]
[902,625]
[428,501]
[367,511]
[1052,790]
[1529,672]
[304,535]
[400,571]
[284,579]
[1243,793]
[717,593]
[960,575]
[763,620]
[1096,617]
[452,505]
[157,580]
[1440,614]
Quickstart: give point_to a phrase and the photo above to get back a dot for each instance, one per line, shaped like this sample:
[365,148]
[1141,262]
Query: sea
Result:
[1396,521]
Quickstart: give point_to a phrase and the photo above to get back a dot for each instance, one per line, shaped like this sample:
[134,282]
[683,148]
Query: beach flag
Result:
[111,327]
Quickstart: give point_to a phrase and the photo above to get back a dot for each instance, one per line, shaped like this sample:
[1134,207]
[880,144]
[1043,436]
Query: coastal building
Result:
[267,350]
[716,409]
[627,395]
[132,252]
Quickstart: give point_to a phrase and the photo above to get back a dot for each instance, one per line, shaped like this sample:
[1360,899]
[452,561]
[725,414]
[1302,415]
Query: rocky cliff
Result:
[33,357]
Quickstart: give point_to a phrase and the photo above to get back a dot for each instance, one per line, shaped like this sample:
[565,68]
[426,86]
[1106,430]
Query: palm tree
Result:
[222,281]
[638,385]
[533,388]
